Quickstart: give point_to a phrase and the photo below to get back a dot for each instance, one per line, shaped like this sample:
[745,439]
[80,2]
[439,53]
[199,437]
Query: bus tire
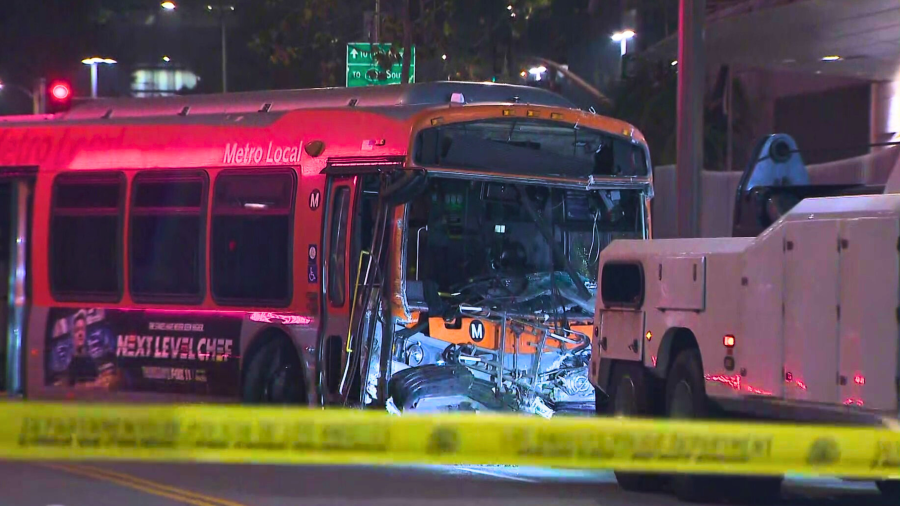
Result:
[274,375]
[686,398]
[890,490]
[630,396]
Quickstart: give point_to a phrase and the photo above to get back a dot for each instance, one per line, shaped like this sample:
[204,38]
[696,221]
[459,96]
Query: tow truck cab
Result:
[799,322]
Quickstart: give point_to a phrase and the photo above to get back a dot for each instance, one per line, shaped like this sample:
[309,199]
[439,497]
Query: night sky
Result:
[49,38]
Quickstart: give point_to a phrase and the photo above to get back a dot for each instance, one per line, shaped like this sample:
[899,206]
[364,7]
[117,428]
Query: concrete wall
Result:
[886,111]
[765,89]
[718,190]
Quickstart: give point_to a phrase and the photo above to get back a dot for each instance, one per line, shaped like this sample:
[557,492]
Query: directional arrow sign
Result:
[363,69]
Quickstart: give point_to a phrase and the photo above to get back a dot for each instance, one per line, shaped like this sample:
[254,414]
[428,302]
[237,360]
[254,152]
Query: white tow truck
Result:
[798,322]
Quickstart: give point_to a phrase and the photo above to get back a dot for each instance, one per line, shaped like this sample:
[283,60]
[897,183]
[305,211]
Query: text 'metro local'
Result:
[247,154]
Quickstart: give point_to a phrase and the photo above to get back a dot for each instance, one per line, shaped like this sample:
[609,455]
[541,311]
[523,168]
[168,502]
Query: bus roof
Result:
[413,96]
[230,130]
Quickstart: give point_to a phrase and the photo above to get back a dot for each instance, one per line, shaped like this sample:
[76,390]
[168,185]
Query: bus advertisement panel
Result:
[143,351]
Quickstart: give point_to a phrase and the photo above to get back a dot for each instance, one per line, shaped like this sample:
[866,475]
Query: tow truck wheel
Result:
[890,490]
[686,398]
[274,375]
[629,396]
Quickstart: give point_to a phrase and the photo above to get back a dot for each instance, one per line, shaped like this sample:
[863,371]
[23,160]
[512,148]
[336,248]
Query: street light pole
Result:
[93,80]
[689,126]
[222,9]
[377,20]
[93,62]
[622,38]
[39,97]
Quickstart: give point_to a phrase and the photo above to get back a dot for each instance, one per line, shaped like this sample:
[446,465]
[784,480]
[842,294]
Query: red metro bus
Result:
[432,246]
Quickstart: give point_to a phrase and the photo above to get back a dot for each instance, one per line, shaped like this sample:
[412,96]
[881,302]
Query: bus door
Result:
[336,282]
[354,261]
[16,197]
[351,197]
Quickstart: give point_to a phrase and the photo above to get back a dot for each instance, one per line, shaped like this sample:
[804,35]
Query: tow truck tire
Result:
[754,490]
[890,490]
[629,396]
[274,375]
[686,398]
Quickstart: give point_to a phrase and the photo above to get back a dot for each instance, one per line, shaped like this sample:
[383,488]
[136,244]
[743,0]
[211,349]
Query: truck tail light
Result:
[859,379]
[728,341]
[649,335]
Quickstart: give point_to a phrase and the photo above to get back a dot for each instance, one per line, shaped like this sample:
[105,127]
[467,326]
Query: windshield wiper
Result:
[561,258]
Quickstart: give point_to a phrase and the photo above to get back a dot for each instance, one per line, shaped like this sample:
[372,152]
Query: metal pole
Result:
[691,83]
[224,55]
[93,80]
[40,96]
[377,20]
[729,111]
[16,308]
[36,97]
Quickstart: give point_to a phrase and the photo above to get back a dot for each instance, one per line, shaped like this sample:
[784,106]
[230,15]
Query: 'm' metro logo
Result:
[248,154]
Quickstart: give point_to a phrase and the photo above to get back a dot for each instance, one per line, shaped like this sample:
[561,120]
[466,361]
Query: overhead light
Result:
[443,57]
[831,58]
[95,60]
[623,35]
[169,6]
[509,7]
[674,62]
[166,58]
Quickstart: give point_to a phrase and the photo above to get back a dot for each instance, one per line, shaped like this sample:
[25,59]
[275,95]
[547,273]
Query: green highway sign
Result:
[363,69]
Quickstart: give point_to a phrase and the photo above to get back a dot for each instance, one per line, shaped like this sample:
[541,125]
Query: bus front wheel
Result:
[274,375]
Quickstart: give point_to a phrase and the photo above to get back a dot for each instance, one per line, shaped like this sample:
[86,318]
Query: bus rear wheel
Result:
[274,375]
[630,396]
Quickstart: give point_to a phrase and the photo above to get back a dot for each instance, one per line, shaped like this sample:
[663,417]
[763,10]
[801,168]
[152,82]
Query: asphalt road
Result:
[132,484]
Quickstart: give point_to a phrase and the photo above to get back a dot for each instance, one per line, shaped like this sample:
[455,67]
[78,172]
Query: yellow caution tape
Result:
[244,434]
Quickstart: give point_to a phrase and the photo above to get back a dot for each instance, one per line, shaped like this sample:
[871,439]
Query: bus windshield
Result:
[530,147]
[519,247]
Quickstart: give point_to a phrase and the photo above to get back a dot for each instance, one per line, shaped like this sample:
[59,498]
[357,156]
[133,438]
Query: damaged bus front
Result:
[478,291]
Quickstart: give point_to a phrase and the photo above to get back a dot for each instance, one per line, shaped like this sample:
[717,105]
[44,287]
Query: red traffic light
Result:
[60,91]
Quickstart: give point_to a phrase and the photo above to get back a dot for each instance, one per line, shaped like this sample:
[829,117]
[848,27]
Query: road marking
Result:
[494,474]
[147,486]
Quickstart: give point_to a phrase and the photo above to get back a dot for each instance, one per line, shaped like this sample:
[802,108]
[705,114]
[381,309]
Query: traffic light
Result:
[59,97]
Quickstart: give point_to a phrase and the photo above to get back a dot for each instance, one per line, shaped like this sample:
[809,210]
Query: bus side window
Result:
[251,237]
[86,236]
[168,236]
[337,263]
